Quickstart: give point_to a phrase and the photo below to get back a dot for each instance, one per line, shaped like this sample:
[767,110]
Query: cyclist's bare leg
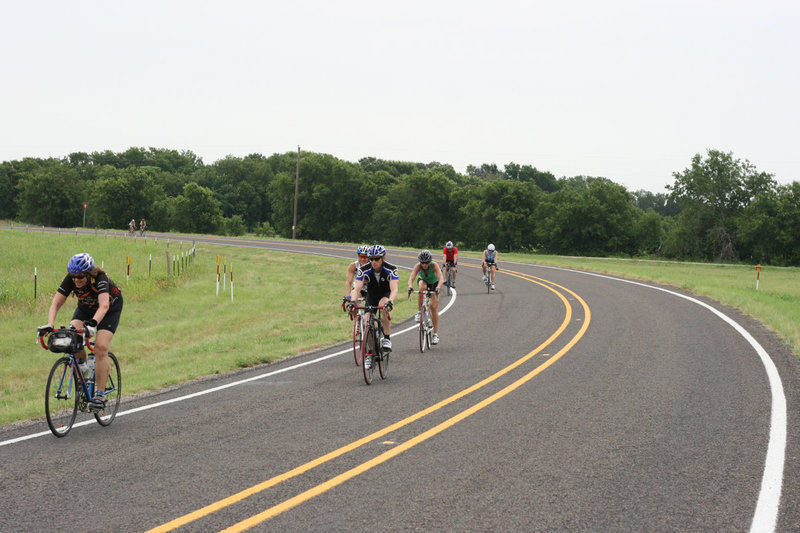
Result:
[81,355]
[420,286]
[435,312]
[387,322]
[455,271]
[483,267]
[494,269]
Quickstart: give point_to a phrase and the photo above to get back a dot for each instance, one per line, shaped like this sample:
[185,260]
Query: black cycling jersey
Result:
[88,295]
[377,281]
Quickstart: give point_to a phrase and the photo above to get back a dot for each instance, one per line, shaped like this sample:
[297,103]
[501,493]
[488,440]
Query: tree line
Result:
[718,209]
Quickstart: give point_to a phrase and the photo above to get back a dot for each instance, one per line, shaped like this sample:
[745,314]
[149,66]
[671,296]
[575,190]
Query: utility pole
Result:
[296,190]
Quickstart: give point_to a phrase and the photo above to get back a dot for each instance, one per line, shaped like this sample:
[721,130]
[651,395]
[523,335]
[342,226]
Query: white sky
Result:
[628,90]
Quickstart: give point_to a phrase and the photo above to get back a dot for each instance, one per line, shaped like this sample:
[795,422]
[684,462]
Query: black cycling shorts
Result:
[375,300]
[109,322]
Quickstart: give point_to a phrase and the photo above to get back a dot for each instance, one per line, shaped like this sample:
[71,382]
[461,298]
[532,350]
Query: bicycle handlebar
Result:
[84,332]
[374,308]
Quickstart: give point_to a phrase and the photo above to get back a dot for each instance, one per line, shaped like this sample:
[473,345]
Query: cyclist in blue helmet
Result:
[99,309]
[352,268]
[381,280]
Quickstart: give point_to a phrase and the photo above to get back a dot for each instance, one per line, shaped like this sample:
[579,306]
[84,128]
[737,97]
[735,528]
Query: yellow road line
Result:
[297,500]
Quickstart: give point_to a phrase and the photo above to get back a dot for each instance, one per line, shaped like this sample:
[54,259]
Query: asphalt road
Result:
[562,401]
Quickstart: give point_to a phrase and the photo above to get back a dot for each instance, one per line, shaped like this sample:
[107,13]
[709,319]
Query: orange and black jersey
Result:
[88,295]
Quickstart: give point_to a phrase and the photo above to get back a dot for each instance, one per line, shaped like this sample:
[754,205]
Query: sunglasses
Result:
[362,255]
[425,263]
[375,258]
[78,276]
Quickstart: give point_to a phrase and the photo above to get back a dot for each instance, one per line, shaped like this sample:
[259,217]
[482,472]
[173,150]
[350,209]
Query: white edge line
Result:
[765,517]
[222,387]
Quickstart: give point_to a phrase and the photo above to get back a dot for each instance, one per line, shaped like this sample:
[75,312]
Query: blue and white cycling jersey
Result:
[490,256]
[377,281]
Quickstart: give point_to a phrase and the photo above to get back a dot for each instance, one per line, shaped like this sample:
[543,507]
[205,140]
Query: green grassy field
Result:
[175,329]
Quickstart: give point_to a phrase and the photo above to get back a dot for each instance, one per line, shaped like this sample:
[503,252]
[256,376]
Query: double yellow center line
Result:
[558,290]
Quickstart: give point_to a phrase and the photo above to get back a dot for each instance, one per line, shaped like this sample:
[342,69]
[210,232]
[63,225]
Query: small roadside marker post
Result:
[218,258]
[758,275]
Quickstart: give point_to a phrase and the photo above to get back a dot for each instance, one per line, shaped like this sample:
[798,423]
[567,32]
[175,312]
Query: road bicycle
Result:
[449,282]
[372,352]
[359,325]
[68,390]
[425,319]
[488,277]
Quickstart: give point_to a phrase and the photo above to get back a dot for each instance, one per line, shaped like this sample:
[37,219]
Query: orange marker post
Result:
[129,268]
[231,281]
[758,275]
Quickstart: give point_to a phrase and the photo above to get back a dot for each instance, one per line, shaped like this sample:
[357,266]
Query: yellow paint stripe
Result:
[385,456]
[235,498]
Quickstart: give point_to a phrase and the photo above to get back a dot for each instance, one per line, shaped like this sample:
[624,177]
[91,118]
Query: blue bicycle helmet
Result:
[361,250]
[376,250]
[449,244]
[80,263]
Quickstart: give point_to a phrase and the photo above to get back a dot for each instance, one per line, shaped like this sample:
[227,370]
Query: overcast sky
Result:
[627,90]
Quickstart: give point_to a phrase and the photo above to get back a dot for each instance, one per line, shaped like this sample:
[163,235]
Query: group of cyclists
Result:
[132,226]
[370,277]
[375,280]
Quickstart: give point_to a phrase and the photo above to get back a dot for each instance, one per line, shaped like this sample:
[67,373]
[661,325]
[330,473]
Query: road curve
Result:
[562,401]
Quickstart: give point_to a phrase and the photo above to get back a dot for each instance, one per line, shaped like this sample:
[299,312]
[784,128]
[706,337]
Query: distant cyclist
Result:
[430,279]
[381,280]
[450,262]
[352,269]
[489,262]
[99,309]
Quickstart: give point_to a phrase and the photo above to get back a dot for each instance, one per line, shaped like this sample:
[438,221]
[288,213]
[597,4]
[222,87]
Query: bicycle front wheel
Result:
[358,333]
[449,280]
[61,398]
[113,393]
[368,353]
[423,320]
[383,363]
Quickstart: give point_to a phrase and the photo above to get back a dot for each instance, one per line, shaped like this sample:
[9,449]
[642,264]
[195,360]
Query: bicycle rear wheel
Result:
[113,393]
[61,398]
[368,350]
[358,331]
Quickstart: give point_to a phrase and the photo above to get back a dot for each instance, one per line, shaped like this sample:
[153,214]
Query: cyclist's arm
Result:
[413,276]
[351,274]
[393,287]
[439,274]
[58,301]
[103,303]
[356,290]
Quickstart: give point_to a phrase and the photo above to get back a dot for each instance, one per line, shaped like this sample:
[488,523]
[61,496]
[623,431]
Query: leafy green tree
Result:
[415,211]
[591,216]
[712,193]
[769,228]
[52,195]
[120,195]
[196,210]
[500,212]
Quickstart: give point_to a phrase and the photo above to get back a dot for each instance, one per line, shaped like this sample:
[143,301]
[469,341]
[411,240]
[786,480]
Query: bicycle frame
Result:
[86,388]
[371,345]
[61,406]
[425,319]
